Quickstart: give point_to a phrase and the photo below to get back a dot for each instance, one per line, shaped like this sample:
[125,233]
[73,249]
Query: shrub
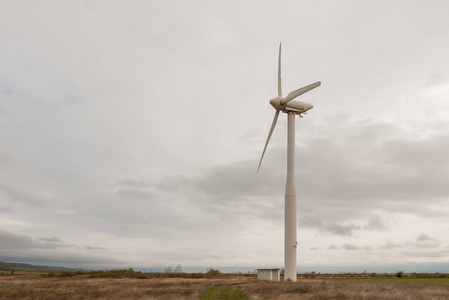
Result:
[125,273]
[213,272]
[178,269]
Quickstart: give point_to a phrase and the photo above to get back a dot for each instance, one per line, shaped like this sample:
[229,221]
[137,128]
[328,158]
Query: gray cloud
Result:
[6,210]
[51,251]
[49,240]
[423,237]
[94,248]
[391,245]
[375,223]
[344,230]
[351,247]
[13,241]
[132,182]
[426,253]
[134,193]
[15,195]
[372,166]
[423,245]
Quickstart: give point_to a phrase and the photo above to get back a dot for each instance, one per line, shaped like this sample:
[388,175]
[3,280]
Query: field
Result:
[37,286]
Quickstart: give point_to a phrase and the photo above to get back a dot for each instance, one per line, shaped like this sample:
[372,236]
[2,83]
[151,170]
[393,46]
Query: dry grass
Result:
[38,287]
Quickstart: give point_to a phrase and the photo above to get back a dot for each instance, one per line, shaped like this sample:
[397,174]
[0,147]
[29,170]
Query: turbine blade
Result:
[279,72]
[269,136]
[300,91]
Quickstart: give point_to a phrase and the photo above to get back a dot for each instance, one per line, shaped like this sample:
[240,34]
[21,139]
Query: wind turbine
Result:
[292,108]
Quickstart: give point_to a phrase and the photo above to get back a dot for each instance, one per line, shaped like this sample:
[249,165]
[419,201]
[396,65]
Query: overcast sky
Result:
[131,132]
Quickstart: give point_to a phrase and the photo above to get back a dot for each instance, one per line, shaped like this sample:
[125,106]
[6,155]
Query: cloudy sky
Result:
[131,131]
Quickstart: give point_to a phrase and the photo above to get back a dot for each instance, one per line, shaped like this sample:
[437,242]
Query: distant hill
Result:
[21,267]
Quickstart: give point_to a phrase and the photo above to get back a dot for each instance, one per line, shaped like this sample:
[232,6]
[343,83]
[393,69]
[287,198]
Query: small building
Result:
[269,274]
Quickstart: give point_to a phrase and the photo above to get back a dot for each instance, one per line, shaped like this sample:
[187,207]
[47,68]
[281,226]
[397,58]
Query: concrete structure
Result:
[269,274]
[291,107]
[290,213]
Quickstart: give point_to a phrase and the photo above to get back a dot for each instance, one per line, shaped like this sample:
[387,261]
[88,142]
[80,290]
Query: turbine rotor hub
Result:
[276,103]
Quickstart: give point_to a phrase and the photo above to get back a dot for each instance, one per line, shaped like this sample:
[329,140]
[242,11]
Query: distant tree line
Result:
[170,272]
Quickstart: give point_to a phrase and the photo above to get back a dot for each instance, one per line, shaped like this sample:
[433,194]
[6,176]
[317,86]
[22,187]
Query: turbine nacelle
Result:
[295,106]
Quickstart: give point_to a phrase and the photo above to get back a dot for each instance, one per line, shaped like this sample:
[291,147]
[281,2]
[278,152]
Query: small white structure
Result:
[269,274]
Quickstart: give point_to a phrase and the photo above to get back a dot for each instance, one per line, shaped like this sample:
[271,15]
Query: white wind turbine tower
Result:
[292,108]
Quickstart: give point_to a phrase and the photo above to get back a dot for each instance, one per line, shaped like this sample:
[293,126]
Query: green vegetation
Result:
[226,294]
[125,273]
[131,273]
[171,270]
[213,272]
[432,281]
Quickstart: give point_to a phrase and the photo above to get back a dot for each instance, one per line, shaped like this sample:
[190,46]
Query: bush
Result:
[125,273]
[213,272]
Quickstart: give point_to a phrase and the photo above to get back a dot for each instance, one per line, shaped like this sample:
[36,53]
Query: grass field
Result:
[430,281]
[35,286]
